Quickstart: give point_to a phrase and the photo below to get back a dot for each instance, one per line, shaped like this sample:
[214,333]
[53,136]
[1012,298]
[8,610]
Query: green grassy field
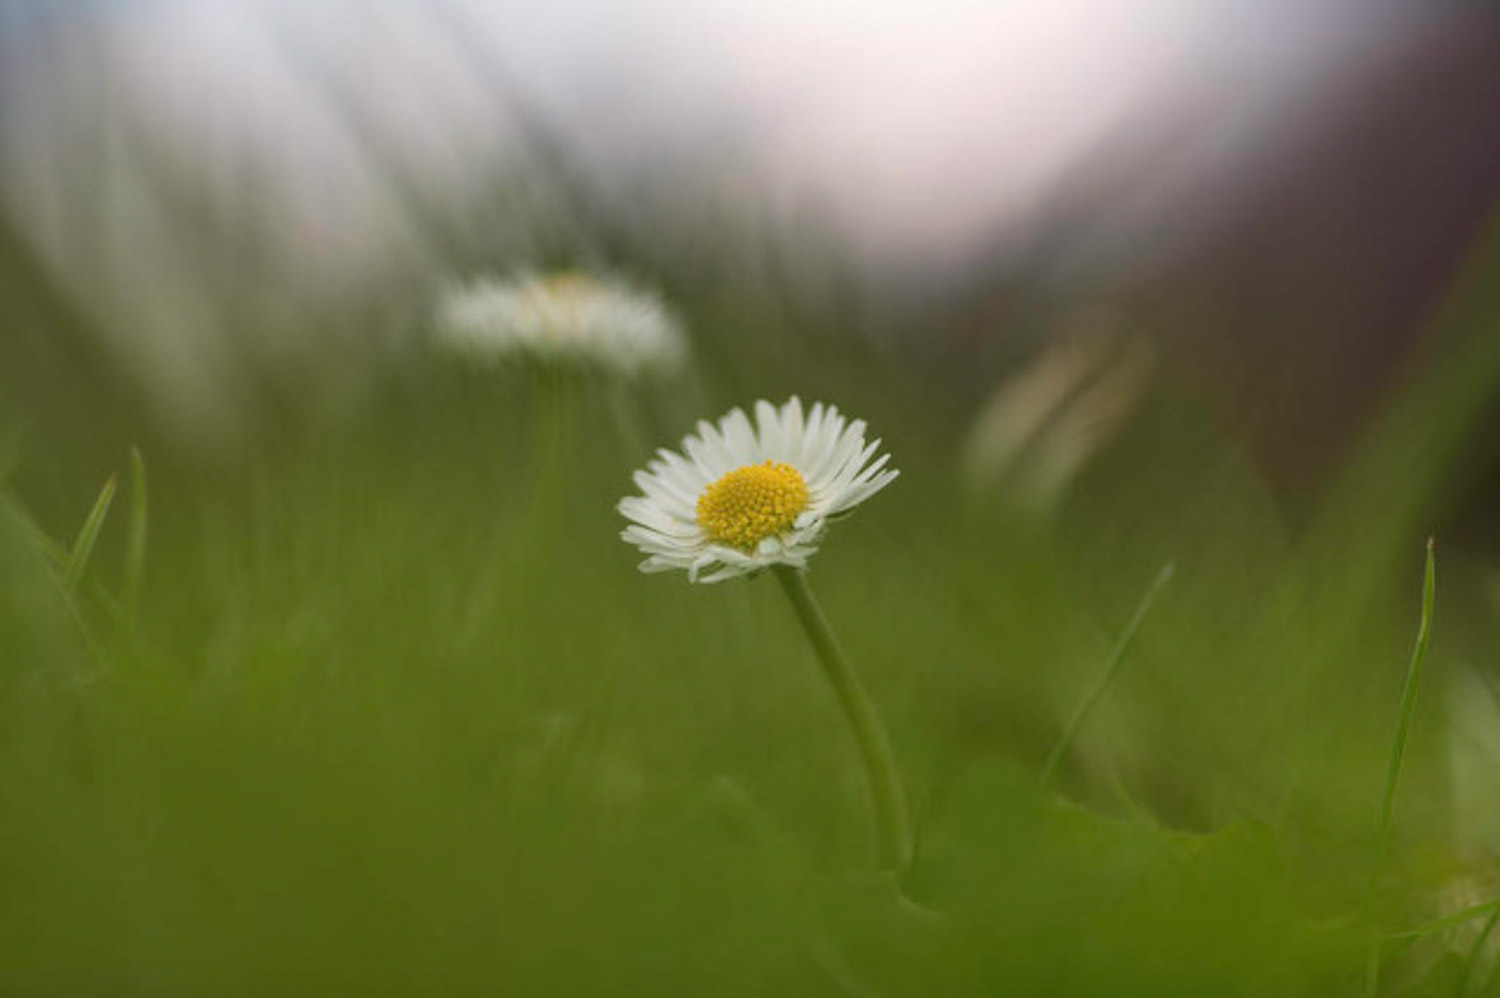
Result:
[393,711]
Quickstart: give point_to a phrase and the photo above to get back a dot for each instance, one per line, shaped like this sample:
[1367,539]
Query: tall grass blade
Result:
[135,537]
[1398,754]
[1111,667]
[83,546]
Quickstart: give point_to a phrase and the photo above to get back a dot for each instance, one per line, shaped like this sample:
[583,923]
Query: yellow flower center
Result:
[553,302]
[752,503]
[569,282]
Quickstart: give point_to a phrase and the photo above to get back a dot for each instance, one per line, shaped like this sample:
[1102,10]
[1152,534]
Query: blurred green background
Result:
[357,691]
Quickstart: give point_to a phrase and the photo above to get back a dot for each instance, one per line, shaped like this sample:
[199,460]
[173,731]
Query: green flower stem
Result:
[892,832]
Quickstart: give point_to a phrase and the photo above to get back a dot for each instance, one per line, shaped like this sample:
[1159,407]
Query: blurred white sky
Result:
[925,130]
[929,126]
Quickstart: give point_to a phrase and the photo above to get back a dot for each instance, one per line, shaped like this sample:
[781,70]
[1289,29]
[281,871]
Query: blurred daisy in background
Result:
[748,496]
[567,317]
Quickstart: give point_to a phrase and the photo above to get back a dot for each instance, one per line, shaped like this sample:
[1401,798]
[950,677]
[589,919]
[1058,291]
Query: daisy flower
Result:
[742,497]
[567,316]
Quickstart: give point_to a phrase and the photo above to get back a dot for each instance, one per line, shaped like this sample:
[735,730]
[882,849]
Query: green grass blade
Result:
[83,546]
[1408,699]
[1398,754]
[1466,973]
[1111,667]
[57,556]
[1443,924]
[135,537]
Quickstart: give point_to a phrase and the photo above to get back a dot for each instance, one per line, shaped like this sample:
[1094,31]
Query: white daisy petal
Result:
[847,447]
[740,436]
[812,431]
[673,468]
[653,542]
[873,468]
[654,518]
[707,451]
[658,564]
[670,482]
[698,564]
[768,422]
[859,493]
[791,431]
[723,574]
[830,438]
[850,469]
[678,499]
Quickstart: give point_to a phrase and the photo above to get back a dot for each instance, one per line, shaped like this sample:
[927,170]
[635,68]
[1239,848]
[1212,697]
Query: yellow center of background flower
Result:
[752,503]
[553,302]
[569,282]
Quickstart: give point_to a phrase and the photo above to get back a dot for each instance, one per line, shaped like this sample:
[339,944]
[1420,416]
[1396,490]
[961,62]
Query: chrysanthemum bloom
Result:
[568,316]
[743,496]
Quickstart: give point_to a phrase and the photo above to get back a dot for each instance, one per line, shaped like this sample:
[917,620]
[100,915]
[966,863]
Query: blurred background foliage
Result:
[391,709]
